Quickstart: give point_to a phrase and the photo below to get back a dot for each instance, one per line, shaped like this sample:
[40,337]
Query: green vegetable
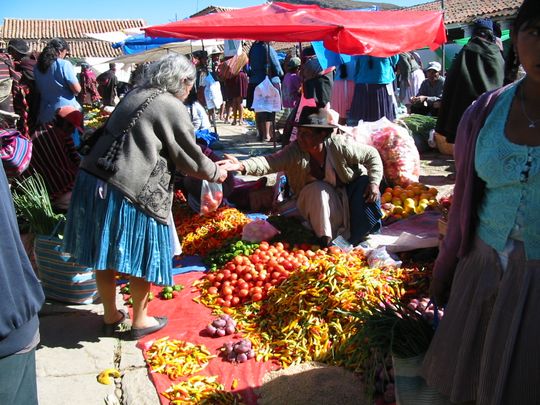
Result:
[32,202]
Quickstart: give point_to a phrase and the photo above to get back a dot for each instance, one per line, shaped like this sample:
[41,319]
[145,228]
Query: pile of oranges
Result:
[399,202]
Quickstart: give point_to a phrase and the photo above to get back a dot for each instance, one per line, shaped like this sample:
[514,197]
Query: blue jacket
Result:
[22,295]
[373,70]
[259,61]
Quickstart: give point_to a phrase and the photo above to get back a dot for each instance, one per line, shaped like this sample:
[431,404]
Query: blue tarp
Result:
[139,43]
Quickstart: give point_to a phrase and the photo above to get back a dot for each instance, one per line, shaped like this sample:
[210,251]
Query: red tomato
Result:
[247,276]
[234,276]
[226,304]
[220,301]
[211,277]
[235,301]
[219,276]
[243,293]
[259,283]
[212,290]
[226,274]
[228,297]
[238,260]
[226,291]
[217,284]
[256,297]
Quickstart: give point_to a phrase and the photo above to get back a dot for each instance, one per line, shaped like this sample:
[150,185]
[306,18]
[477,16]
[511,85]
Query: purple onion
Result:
[242,357]
[211,329]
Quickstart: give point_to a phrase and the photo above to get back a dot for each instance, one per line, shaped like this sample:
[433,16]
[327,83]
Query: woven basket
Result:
[444,147]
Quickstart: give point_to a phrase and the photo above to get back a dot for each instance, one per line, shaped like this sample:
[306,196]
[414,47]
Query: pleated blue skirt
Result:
[105,231]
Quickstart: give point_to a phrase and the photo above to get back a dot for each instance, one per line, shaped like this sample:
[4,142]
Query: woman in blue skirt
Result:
[119,220]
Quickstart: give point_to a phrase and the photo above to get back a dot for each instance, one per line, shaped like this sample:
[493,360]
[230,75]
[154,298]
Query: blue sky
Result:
[153,12]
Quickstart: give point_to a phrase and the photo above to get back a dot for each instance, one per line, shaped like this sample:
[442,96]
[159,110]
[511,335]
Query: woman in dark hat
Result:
[56,80]
[334,180]
[477,68]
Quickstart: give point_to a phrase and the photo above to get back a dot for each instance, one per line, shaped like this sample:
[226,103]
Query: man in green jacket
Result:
[334,179]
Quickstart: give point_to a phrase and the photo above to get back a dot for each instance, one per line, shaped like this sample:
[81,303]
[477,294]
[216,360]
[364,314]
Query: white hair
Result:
[173,73]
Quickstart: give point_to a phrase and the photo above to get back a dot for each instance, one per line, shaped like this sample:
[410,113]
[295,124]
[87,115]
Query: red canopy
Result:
[377,33]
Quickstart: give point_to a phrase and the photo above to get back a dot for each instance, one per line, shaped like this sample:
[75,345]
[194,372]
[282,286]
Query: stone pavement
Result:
[71,353]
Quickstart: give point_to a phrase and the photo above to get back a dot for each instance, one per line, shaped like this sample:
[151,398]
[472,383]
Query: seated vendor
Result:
[334,180]
[428,99]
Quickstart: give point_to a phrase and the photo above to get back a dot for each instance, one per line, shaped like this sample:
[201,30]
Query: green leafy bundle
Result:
[32,202]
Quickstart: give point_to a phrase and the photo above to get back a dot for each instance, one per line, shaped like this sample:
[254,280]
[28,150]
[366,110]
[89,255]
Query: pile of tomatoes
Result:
[249,278]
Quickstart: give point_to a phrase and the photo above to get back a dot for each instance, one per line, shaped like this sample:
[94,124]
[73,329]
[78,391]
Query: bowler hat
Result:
[314,117]
[72,115]
[19,45]
[483,23]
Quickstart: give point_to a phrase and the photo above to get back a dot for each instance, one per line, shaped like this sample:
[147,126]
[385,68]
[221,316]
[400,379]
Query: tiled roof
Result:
[466,11]
[345,4]
[39,32]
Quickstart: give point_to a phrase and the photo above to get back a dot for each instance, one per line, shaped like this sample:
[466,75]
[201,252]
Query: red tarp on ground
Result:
[187,322]
[377,33]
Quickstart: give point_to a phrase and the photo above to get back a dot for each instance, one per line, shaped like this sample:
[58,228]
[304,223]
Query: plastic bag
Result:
[211,197]
[379,258]
[212,92]
[258,230]
[398,152]
[266,97]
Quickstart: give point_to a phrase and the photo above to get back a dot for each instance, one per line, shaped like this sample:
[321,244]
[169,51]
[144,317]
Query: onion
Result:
[211,329]
[219,323]
[242,357]
[220,332]
[250,354]
[229,329]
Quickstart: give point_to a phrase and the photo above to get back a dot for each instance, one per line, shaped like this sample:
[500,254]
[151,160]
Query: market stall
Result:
[377,33]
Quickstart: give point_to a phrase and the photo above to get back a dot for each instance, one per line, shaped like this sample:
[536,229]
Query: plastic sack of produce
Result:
[211,197]
[266,97]
[398,152]
[258,230]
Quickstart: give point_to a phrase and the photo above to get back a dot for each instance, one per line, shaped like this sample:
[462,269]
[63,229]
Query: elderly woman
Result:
[56,80]
[119,219]
[335,180]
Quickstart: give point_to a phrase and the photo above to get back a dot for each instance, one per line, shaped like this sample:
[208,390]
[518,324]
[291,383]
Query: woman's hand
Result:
[231,163]
[223,173]
[372,193]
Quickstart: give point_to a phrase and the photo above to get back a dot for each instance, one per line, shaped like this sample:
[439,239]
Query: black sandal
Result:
[137,333]
[109,329]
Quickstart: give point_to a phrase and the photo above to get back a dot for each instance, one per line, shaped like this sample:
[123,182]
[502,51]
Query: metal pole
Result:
[443,64]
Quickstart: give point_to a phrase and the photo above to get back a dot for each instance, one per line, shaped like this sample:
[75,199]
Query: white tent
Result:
[183,48]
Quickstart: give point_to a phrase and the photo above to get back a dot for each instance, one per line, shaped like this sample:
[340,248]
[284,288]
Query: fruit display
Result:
[248,115]
[250,278]
[398,202]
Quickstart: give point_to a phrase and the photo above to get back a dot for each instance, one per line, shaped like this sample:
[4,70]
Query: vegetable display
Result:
[238,352]
[201,390]
[176,358]
[224,325]
[202,234]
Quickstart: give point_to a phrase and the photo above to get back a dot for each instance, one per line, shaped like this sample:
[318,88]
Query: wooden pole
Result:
[443,64]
